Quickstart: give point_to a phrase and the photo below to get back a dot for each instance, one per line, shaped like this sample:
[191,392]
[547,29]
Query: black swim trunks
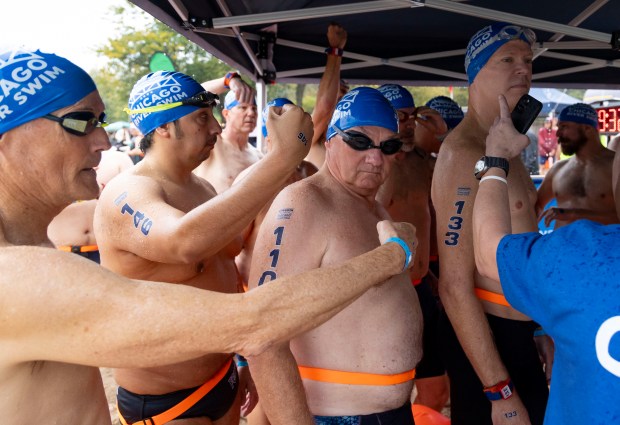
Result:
[91,255]
[214,405]
[399,416]
[515,343]
[431,364]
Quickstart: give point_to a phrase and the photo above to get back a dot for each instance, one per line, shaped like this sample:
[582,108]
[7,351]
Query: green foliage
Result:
[139,37]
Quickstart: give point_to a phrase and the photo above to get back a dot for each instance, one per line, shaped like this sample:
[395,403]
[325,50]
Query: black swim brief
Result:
[214,405]
[400,416]
[431,364]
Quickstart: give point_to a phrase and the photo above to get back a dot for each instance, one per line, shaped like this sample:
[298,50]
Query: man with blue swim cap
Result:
[580,184]
[490,351]
[233,152]
[64,316]
[321,221]
[181,232]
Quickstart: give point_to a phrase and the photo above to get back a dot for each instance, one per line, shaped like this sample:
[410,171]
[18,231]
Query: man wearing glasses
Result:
[359,366]
[406,196]
[494,368]
[63,316]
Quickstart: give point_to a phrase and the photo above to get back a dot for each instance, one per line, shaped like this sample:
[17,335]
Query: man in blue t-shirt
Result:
[575,297]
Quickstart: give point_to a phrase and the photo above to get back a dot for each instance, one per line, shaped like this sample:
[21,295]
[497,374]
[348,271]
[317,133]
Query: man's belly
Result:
[218,274]
[166,379]
[50,392]
[380,334]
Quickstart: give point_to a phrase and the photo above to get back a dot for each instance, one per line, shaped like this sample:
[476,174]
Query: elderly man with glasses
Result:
[359,366]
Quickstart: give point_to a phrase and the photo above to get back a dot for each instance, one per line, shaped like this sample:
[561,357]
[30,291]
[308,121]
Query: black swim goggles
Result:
[79,123]
[361,142]
[203,99]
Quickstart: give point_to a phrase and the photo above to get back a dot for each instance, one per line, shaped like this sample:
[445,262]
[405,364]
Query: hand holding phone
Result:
[525,112]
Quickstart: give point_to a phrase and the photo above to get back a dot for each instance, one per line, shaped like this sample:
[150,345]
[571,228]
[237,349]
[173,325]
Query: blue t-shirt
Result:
[569,282]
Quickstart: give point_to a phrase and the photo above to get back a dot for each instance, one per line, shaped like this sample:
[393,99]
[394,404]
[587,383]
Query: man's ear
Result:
[225,113]
[164,129]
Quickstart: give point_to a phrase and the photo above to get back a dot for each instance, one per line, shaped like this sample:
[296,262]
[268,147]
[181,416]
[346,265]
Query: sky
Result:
[69,28]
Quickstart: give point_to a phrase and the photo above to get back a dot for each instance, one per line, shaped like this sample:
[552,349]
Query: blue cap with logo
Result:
[488,40]
[33,84]
[158,88]
[580,113]
[363,106]
[398,96]
[278,101]
[449,110]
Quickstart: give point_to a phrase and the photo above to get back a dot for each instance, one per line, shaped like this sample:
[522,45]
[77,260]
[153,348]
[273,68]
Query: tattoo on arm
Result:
[137,218]
[275,255]
[511,414]
[455,224]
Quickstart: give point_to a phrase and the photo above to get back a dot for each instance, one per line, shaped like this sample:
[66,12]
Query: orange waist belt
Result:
[491,297]
[182,407]
[78,248]
[354,378]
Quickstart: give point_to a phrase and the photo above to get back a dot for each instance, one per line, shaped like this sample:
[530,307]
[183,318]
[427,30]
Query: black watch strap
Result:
[494,161]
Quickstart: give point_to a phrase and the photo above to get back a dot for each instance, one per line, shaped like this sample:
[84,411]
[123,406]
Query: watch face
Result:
[479,166]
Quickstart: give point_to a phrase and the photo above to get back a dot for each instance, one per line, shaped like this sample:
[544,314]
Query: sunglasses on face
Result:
[79,123]
[203,99]
[361,142]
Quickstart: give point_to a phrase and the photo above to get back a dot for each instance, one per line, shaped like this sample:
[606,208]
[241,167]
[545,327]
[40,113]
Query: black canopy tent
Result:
[405,41]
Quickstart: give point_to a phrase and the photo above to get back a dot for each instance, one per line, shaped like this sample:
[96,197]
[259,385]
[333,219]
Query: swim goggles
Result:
[79,123]
[361,142]
[509,32]
[203,99]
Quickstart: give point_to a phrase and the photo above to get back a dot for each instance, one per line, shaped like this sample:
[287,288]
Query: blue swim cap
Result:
[398,96]
[278,101]
[360,107]
[449,110]
[33,84]
[580,113]
[230,101]
[488,40]
[158,88]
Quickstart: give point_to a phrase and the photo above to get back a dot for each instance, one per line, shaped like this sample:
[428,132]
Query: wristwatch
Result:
[486,162]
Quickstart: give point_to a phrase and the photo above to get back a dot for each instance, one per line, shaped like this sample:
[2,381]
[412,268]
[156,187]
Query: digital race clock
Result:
[609,119]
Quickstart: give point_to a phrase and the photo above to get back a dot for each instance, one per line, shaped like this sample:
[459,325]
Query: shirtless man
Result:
[581,184]
[331,89]
[305,169]
[72,229]
[406,196]
[322,221]
[232,153]
[58,326]
[496,339]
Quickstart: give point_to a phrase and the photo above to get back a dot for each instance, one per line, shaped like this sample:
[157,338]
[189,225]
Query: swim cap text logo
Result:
[23,81]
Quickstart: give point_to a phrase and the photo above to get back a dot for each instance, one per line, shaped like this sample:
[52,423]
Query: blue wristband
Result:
[405,248]
[242,363]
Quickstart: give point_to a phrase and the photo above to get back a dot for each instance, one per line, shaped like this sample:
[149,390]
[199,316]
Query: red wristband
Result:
[229,77]
[334,51]
[499,391]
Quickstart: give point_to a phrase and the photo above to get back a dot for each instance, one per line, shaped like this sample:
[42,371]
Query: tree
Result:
[139,37]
